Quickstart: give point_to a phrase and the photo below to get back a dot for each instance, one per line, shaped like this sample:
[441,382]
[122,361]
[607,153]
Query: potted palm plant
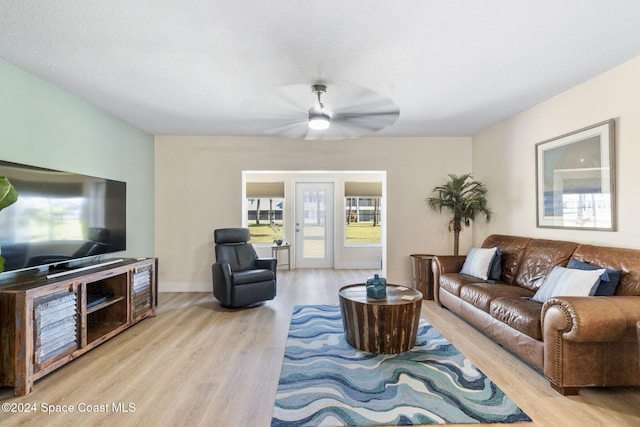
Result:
[464,199]
[8,196]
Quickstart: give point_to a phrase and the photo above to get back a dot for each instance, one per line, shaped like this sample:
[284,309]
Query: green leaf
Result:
[463,198]
[8,194]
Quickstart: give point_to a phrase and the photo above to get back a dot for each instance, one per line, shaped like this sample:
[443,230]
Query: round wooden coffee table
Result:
[384,326]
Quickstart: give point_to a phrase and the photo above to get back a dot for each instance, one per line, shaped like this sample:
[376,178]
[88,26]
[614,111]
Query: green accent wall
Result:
[42,125]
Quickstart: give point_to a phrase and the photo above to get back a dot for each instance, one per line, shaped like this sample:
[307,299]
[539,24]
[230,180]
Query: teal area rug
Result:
[326,382]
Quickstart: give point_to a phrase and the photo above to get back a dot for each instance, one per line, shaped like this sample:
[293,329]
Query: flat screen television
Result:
[60,218]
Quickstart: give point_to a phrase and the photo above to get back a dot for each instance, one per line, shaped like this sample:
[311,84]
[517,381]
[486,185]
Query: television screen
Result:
[60,217]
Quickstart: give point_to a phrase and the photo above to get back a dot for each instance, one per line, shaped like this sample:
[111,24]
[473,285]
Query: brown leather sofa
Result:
[574,341]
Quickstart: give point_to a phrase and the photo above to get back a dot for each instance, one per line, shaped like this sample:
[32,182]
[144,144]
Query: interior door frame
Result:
[335,176]
[317,180]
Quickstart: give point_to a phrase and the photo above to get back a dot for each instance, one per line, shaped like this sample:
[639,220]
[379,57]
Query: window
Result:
[264,219]
[362,216]
[264,211]
[362,212]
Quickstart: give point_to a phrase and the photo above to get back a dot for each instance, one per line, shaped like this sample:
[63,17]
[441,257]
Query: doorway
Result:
[342,249]
[314,217]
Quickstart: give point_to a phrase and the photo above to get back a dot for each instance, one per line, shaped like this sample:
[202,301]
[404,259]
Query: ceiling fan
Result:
[313,112]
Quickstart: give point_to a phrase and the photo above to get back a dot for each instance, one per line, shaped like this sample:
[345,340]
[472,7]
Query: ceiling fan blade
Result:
[289,130]
[343,131]
[389,115]
[368,103]
[372,121]
[371,112]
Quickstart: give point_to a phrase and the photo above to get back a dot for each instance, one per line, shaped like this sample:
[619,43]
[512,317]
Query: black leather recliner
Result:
[240,278]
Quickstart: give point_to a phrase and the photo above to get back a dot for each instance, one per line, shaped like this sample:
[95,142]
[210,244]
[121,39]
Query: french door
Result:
[314,225]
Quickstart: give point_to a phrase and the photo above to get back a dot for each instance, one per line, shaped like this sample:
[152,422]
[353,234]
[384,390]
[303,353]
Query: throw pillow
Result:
[478,262]
[495,271]
[609,281]
[568,282]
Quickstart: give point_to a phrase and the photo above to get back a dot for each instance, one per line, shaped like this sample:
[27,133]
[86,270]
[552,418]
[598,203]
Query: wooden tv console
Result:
[47,322]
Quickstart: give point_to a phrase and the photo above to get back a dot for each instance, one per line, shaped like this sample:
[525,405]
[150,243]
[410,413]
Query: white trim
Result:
[363,245]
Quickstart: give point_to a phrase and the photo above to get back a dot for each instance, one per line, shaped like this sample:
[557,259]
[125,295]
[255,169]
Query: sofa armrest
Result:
[448,263]
[591,319]
[267,263]
[587,341]
[443,264]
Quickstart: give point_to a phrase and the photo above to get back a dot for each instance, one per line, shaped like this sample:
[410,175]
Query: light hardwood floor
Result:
[197,363]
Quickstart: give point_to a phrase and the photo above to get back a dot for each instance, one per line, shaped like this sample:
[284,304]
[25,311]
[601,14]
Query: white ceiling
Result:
[195,67]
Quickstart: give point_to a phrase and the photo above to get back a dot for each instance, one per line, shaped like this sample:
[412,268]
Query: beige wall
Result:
[199,188]
[504,156]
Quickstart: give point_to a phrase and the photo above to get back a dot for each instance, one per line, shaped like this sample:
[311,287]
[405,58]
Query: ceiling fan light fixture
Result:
[318,119]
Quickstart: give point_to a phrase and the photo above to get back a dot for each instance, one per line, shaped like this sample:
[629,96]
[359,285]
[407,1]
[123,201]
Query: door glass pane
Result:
[314,223]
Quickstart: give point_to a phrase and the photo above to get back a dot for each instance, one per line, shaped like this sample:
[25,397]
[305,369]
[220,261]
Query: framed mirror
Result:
[575,179]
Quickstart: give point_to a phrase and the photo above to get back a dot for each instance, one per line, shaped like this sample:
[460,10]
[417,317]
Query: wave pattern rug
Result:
[326,382]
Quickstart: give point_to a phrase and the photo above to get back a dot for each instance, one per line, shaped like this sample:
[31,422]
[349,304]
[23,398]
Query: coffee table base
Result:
[381,328]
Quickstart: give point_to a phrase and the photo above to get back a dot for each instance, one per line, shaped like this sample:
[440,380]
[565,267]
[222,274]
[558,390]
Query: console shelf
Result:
[104,304]
[52,321]
[100,330]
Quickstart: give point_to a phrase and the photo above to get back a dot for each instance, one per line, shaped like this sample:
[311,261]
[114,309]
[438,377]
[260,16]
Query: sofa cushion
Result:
[453,282]
[252,276]
[521,314]
[539,259]
[568,282]
[478,262]
[608,281]
[626,260]
[480,295]
[512,249]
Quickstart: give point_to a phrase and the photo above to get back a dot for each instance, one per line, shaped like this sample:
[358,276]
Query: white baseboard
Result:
[185,287]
